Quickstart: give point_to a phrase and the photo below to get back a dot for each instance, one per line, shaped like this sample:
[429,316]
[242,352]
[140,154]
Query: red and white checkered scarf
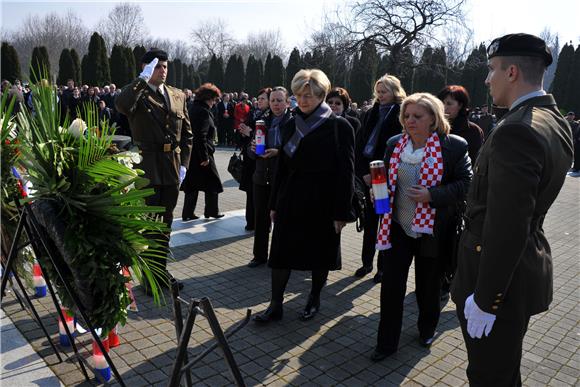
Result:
[431,175]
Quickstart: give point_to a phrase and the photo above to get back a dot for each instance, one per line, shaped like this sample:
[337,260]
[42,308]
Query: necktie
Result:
[160,95]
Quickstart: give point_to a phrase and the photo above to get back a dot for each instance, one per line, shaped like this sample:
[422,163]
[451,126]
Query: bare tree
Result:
[212,37]
[553,41]
[53,31]
[125,25]
[393,25]
[260,44]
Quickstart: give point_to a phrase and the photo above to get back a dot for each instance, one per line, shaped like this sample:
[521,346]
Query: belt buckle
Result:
[166,147]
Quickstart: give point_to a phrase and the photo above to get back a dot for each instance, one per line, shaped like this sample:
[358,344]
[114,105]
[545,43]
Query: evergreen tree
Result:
[474,74]
[230,74]
[195,77]
[138,52]
[268,75]
[10,65]
[170,74]
[76,66]
[39,64]
[560,85]
[240,74]
[130,65]
[118,65]
[364,73]
[277,71]
[294,65]
[95,66]
[328,65]
[66,68]
[439,66]
[423,73]
[573,92]
[203,71]
[384,66]
[216,71]
[178,69]
[307,61]
[406,69]
[221,72]
[253,74]
[317,59]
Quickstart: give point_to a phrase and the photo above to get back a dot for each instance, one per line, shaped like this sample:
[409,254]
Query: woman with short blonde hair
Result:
[316,79]
[394,85]
[435,108]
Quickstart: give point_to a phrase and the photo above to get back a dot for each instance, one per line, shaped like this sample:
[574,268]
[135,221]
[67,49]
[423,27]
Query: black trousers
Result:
[262,221]
[576,166]
[495,360]
[371,226]
[165,196]
[250,212]
[397,261]
[190,202]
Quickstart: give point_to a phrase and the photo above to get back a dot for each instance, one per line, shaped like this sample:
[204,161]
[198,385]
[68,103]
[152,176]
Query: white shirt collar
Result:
[525,97]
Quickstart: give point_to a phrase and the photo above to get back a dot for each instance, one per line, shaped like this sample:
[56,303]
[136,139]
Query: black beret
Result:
[520,45]
[152,54]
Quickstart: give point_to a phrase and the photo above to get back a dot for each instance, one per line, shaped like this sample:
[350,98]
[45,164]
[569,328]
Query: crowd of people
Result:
[447,166]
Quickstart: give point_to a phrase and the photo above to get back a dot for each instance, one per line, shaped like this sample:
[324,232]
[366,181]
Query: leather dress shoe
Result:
[186,218]
[311,309]
[426,343]
[272,313]
[216,216]
[378,278]
[379,355]
[362,271]
[256,262]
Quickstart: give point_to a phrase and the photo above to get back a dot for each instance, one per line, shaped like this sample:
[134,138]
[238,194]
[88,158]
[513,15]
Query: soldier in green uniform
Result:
[504,272]
[160,127]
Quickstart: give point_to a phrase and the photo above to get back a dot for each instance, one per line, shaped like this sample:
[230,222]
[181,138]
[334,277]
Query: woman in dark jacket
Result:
[266,171]
[311,195]
[339,101]
[202,174]
[380,124]
[246,130]
[456,101]
[429,173]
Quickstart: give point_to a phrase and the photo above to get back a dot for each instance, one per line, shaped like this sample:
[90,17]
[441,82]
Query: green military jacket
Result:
[162,134]
[504,257]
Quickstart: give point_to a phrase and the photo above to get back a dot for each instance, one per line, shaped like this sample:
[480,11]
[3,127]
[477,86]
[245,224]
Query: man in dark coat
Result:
[160,127]
[504,272]
[225,118]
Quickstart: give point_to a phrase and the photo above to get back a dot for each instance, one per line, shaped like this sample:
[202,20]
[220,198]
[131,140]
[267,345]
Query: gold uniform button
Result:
[499,294]
[167,126]
[148,110]
[497,301]
[494,307]
[478,248]
[135,88]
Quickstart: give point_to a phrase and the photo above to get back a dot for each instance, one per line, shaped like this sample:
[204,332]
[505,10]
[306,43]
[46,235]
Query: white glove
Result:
[182,172]
[478,321]
[148,70]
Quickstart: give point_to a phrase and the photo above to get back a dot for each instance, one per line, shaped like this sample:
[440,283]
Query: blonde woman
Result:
[311,195]
[429,173]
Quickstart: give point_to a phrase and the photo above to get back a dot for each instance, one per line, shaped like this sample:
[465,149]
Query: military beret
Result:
[520,45]
[152,54]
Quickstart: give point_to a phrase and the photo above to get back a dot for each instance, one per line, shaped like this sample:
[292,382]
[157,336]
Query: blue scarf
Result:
[305,127]
[273,139]
[384,111]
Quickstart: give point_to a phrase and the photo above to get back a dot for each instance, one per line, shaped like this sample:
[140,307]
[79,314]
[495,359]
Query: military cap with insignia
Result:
[152,54]
[520,45]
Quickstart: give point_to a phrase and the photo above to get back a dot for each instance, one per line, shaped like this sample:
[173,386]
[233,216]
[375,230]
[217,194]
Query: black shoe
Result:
[379,355]
[249,228]
[311,309]
[256,262]
[216,216]
[362,271]
[187,218]
[426,343]
[272,313]
[378,278]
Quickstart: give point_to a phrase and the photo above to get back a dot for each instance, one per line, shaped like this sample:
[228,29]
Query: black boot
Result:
[312,307]
[274,312]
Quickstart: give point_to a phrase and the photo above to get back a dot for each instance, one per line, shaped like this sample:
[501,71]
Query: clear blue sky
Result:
[297,18]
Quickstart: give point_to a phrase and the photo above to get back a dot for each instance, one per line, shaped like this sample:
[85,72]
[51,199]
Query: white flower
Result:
[77,128]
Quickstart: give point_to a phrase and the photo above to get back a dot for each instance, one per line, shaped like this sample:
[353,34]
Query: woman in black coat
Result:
[429,173]
[265,171]
[312,193]
[202,174]
[380,124]
[339,102]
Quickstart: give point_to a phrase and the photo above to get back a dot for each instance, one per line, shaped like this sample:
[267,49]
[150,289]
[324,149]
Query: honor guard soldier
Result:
[504,273]
[161,130]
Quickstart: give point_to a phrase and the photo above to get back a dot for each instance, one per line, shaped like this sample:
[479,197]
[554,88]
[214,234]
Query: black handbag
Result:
[235,166]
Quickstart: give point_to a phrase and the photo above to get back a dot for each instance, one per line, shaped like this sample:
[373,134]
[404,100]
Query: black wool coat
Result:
[471,132]
[311,190]
[200,178]
[391,127]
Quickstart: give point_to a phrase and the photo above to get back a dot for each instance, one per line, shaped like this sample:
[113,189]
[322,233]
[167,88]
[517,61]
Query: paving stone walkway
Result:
[334,348]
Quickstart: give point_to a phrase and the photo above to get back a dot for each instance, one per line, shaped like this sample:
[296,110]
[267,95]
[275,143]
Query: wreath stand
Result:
[204,308]
[27,222]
